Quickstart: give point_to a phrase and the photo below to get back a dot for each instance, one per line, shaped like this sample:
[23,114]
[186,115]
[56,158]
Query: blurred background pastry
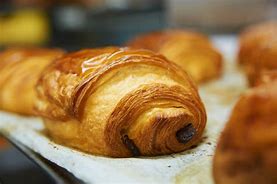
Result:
[20,70]
[192,51]
[258,50]
[266,77]
[247,148]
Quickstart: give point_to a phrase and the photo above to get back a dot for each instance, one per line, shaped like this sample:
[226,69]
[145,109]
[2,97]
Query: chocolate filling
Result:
[185,134]
[130,145]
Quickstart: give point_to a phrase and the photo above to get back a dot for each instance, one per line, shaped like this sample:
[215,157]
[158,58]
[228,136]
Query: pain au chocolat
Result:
[247,149]
[191,51]
[120,102]
[266,77]
[258,50]
[20,70]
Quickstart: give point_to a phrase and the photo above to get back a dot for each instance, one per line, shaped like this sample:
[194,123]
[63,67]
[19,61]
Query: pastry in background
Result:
[266,77]
[265,61]
[247,149]
[253,37]
[258,50]
[192,51]
[120,102]
[20,70]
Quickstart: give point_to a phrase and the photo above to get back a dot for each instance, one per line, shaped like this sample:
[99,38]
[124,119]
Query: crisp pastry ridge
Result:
[192,51]
[120,102]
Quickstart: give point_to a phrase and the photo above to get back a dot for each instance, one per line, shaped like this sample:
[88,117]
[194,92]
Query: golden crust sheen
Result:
[19,71]
[120,102]
[258,50]
[192,51]
[247,149]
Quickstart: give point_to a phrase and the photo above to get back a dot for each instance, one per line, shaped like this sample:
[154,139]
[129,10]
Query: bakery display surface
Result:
[190,50]
[191,166]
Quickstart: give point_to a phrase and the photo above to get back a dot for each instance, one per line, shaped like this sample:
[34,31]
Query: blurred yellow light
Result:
[24,27]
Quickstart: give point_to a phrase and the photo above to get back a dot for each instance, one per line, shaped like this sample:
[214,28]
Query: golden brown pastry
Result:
[247,149]
[20,70]
[120,103]
[258,50]
[265,61]
[266,77]
[193,52]
[253,37]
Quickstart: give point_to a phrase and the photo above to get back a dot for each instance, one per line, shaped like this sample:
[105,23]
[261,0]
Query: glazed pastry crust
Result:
[20,70]
[192,51]
[120,102]
[258,50]
[247,149]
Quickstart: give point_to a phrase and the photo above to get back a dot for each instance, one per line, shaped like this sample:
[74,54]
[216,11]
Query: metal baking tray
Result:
[54,172]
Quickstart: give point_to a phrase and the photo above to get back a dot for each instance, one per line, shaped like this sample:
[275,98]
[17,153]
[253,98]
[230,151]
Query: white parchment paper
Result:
[193,166]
